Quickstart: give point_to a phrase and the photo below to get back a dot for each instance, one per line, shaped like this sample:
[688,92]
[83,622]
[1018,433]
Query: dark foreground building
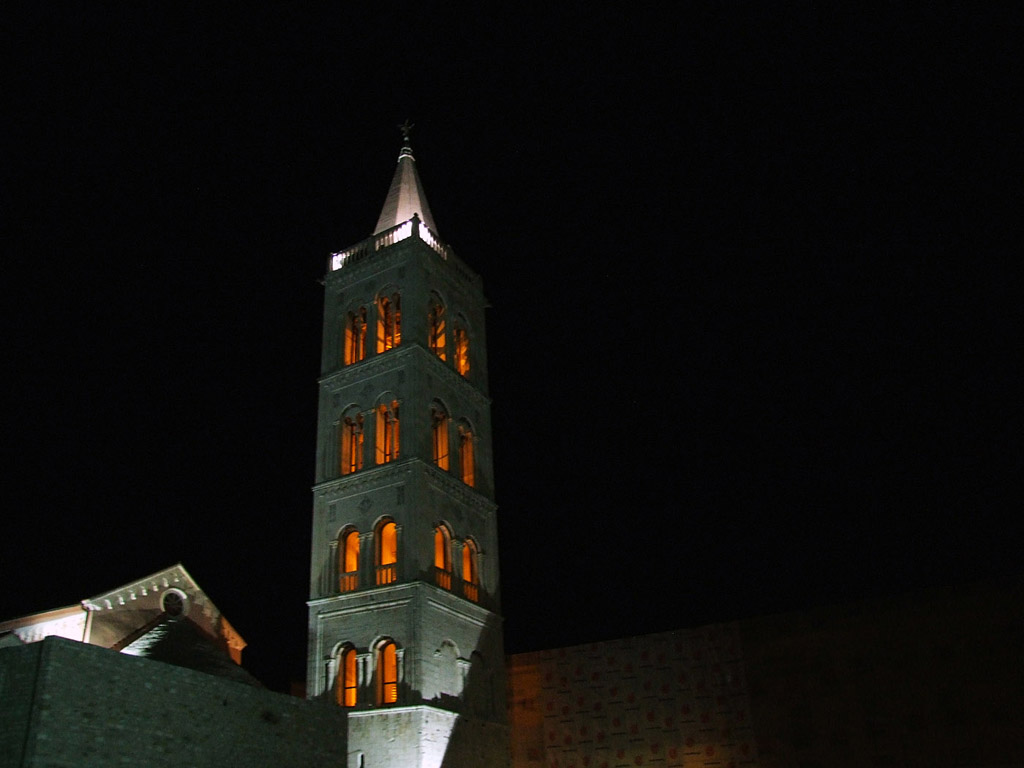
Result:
[66,703]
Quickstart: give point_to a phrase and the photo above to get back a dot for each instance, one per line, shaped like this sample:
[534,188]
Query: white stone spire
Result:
[406,196]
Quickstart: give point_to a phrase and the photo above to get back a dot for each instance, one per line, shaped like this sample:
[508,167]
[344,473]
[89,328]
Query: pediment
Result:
[114,618]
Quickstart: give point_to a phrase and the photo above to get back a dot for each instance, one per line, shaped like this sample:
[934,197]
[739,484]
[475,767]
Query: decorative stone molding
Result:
[377,476]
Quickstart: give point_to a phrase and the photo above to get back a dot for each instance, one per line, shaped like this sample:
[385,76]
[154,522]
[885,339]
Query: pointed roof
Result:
[406,196]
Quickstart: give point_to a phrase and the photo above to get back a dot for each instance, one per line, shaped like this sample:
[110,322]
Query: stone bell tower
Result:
[404,614]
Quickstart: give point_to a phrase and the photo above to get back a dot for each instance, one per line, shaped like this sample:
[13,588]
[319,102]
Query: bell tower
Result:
[404,613]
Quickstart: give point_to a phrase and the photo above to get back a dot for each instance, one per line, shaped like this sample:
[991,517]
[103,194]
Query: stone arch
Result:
[442,555]
[388,308]
[466,437]
[385,550]
[440,434]
[437,325]
[387,435]
[449,672]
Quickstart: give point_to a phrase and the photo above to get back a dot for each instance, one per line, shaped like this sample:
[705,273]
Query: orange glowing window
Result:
[345,687]
[355,336]
[442,557]
[462,351]
[470,574]
[435,328]
[387,432]
[387,673]
[389,322]
[351,443]
[348,561]
[439,437]
[386,552]
[466,460]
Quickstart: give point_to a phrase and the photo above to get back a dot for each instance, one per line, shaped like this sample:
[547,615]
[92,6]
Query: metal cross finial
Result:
[406,128]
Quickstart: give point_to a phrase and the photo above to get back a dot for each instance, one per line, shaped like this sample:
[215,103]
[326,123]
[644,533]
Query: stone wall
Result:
[425,737]
[18,671]
[927,680]
[94,707]
[672,699]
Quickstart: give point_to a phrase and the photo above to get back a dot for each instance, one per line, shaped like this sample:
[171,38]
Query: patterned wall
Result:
[671,699]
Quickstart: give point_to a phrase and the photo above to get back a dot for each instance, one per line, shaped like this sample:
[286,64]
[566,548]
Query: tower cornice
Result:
[384,249]
[383,475]
[374,477]
[381,364]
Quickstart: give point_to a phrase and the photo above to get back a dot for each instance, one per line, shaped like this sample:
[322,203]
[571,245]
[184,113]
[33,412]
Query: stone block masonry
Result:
[64,703]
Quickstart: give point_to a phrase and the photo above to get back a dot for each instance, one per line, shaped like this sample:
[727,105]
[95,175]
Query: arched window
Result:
[470,572]
[355,336]
[461,350]
[436,327]
[348,560]
[351,443]
[389,322]
[387,432]
[386,551]
[439,436]
[442,556]
[387,672]
[345,682]
[467,465]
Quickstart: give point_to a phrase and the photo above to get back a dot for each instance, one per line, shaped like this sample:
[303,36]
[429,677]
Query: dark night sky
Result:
[754,340]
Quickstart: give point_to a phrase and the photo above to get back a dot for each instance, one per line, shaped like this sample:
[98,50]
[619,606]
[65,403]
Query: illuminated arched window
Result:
[348,560]
[387,432]
[470,572]
[386,551]
[436,327]
[355,336]
[345,682]
[467,465]
[439,436]
[389,322]
[387,672]
[443,556]
[351,442]
[461,350]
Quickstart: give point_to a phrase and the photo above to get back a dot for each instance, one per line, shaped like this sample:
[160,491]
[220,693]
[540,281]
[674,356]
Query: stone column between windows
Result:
[400,677]
[333,453]
[480,558]
[365,563]
[372,314]
[329,666]
[400,556]
[364,677]
[332,570]
[457,565]
[463,666]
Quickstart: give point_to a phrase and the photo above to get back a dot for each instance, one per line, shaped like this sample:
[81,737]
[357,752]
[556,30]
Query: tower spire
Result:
[406,196]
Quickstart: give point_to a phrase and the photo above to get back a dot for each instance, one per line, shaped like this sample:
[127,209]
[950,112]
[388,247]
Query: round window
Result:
[174,603]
